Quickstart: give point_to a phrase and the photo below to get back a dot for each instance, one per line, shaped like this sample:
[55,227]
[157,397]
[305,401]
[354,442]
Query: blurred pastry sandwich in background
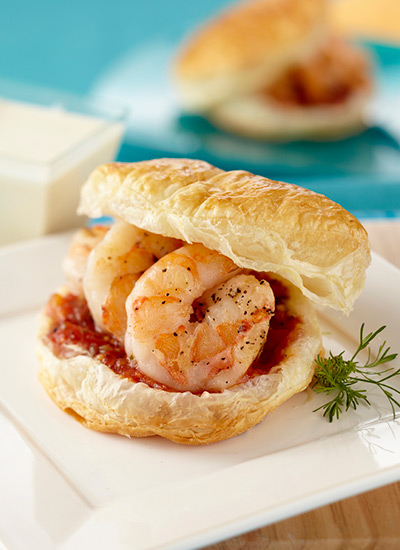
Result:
[274,69]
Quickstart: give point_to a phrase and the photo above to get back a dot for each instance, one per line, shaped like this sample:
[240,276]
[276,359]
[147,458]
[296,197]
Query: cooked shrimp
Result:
[113,268]
[196,321]
[328,77]
[74,265]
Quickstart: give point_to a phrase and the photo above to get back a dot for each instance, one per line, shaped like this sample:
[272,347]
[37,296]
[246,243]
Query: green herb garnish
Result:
[338,377]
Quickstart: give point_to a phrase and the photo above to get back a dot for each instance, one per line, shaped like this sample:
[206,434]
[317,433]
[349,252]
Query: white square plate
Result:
[72,488]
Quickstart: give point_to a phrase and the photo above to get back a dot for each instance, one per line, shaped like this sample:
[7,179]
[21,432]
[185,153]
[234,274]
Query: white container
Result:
[49,144]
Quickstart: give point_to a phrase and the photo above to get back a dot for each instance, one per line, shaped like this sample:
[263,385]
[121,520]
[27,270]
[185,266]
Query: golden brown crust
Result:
[259,223]
[104,401]
[248,34]
[246,48]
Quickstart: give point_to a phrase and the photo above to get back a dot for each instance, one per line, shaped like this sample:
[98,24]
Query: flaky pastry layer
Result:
[104,401]
[222,68]
[257,117]
[260,224]
[248,45]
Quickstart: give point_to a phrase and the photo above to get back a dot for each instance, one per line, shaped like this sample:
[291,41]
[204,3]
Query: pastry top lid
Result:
[260,224]
[248,44]
[249,33]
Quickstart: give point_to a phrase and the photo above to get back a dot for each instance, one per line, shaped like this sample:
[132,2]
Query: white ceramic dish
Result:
[72,489]
[49,144]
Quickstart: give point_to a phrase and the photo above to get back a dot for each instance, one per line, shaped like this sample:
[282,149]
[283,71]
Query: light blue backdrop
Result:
[123,52]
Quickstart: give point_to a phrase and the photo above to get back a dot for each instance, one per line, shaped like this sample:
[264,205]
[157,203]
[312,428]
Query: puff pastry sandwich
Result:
[192,316]
[274,69]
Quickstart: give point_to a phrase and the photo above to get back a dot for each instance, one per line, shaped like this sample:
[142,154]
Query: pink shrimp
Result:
[196,321]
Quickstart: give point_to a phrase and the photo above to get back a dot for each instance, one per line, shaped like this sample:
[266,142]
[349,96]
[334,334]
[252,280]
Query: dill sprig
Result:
[338,377]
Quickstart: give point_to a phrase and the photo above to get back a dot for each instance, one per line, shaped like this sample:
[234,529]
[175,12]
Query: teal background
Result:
[123,51]
[67,44]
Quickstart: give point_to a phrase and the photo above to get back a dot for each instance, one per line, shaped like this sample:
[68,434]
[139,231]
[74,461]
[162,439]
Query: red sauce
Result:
[72,324]
[281,331]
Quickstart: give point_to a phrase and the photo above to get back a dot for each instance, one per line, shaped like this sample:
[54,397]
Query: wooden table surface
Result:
[370,521]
